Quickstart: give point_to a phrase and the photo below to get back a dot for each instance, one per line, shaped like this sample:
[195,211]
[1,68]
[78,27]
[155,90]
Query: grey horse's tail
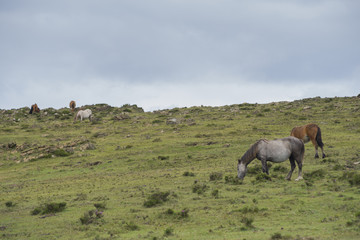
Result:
[302,151]
[318,138]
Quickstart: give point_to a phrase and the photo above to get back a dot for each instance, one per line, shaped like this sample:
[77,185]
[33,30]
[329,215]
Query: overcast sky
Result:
[174,53]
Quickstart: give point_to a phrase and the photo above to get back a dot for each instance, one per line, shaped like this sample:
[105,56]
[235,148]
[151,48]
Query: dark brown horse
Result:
[310,132]
[34,108]
[72,105]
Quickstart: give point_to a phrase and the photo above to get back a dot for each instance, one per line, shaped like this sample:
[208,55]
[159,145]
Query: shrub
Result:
[215,193]
[317,174]
[248,221]
[156,199]
[278,236]
[100,206]
[215,176]
[338,167]
[199,188]
[184,213]
[49,208]
[262,177]
[9,204]
[157,121]
[245,210]
[188,174]
[233,180]
[131,226]
[81,197]
[355,180]
[91,217]
[352,177]
[168,232]
[253,170]
[163,157]
[61,153]
[170,211]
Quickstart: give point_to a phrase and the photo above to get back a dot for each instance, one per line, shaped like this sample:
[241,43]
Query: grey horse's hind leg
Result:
[299,163]
[293,166]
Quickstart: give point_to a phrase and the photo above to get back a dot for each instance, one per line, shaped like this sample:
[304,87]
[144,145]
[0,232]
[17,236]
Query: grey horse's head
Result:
[241,167]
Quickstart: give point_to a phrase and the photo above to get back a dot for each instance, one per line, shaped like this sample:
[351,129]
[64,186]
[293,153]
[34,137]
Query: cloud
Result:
[153,45]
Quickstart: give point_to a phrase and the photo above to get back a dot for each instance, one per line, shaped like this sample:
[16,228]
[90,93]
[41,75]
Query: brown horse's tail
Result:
[318,138]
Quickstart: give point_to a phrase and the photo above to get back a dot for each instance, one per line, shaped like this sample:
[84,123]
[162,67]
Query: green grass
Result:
[135,175]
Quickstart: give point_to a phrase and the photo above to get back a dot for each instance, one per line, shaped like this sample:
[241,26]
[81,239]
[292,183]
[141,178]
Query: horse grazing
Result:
[310,132]
[34,108]
[83,114]
[72,105]
[274,151]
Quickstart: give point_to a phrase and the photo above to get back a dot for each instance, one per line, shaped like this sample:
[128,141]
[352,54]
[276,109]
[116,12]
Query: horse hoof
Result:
[316,156]
[299,178]
[323,156]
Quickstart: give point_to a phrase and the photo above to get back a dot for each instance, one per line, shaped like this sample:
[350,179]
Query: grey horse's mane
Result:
[250,154]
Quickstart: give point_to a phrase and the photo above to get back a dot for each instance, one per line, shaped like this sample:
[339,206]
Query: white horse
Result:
[83,114]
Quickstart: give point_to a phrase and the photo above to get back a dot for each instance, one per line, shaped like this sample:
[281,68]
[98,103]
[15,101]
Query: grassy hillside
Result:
[171,174]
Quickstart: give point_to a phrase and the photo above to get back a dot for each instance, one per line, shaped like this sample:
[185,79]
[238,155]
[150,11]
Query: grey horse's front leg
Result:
[264,166]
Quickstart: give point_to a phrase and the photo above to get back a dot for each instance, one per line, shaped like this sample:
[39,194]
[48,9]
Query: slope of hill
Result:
[171,174]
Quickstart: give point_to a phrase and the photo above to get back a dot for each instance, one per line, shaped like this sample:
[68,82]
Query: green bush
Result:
[216,176]
[61,153]
[131,226]
[163,157]
[168,232]
[278,236]
[199,188]
[9,204]
[156,199]
[352,177]
[91,217]
[248,222]
[317,174]
[100,206]
[233,180]
[215,193]
[188,174]
[262,177]
[49,208]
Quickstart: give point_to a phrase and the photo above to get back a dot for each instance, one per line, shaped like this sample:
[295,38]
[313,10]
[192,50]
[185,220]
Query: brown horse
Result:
[310,132]
[34,108]
[72,105]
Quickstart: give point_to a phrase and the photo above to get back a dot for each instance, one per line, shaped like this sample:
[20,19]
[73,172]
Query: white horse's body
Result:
[83,114]
[277,151]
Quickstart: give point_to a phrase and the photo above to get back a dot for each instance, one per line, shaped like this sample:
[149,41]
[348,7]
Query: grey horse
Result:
[83,114]
[276,151]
